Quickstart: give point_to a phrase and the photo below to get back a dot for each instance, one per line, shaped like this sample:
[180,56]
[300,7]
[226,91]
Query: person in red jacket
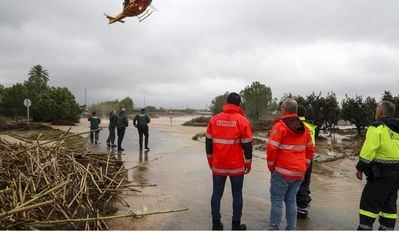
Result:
[289,153]
[229,152]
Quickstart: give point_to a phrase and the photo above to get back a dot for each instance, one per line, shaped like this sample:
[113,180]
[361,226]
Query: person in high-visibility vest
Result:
[379,161]
[303,198]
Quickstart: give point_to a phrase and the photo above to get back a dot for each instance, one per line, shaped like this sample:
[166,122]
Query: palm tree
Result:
[39,74]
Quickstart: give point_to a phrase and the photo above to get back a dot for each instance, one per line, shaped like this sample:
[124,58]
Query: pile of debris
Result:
[53,187]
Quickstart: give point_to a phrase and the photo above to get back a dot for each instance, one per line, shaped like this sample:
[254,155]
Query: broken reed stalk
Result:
[110,217]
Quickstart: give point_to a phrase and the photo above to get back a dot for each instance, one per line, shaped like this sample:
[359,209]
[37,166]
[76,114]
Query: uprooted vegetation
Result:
[48,185]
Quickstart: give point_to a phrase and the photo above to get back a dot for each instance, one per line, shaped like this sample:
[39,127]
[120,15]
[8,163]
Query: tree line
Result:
[50,104]
[323,110]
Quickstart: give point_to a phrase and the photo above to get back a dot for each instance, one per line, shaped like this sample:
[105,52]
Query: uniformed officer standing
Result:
[303,198]
[379,161]
[141,121]
[94,125]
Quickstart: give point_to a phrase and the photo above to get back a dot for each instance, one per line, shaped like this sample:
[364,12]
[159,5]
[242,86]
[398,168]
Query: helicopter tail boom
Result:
[112,19]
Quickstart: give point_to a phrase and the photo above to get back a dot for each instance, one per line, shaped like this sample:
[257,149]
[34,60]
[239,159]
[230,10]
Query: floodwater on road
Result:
[183,180]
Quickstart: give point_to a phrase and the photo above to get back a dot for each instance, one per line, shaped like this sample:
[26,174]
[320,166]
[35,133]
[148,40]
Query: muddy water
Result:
[183,180]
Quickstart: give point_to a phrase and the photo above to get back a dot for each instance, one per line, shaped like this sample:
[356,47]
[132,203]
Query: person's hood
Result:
[392,123]
[232,109]
[293,123]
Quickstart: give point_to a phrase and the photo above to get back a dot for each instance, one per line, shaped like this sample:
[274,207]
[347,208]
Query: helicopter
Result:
[133,8]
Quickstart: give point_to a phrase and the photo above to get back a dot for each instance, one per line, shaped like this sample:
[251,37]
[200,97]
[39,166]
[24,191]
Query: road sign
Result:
[27,102]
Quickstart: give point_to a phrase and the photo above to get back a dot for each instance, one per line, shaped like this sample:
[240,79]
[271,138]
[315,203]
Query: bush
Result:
[262,125]
[198,122]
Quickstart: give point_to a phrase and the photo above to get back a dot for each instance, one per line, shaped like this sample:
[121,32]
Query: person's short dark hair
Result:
[93,113]
[234,98]
[142,110]
[301,111]
[388,108]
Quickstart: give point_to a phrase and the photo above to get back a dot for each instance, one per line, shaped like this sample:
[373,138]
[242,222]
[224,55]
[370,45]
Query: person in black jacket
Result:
[141,123]
[113,118]
[121,125]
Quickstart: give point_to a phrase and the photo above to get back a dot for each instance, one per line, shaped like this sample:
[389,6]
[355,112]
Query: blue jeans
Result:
[236,189]
[282,189]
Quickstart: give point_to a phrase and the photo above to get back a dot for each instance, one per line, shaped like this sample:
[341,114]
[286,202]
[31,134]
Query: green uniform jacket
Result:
[94,122]
[113,120]
[122,120]
[381,146]
[141,120]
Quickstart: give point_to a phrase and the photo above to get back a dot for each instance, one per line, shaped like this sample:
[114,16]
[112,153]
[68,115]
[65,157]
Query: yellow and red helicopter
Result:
[133,8]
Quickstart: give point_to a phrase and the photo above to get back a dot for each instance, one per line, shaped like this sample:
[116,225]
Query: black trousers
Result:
[143,131]
[303,198]
[121,134]
[111,137]
[219,182]
[379,199]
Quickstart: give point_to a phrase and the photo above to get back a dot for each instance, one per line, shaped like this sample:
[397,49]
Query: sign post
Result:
[27,103]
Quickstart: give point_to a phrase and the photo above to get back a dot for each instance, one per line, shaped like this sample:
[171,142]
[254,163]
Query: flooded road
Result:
[183,180]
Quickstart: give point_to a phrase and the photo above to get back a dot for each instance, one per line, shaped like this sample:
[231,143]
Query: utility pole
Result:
[86,97]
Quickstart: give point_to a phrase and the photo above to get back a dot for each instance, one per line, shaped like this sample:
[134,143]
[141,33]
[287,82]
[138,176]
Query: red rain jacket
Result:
[228,133]
[289,147]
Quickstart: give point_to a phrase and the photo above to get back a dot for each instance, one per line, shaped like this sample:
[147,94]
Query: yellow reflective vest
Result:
[311,127]
[382,142]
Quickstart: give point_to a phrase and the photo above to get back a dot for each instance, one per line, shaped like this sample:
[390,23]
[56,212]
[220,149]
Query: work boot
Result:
[108,145]
[217,224]
[121,149]
[96,142]
[236,225]
[113,145]
[147,148]
[301,215]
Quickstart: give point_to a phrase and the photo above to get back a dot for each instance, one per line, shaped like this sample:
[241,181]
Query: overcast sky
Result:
[192,50]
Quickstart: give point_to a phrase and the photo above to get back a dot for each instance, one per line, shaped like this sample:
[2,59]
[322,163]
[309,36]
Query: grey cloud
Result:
[192,50]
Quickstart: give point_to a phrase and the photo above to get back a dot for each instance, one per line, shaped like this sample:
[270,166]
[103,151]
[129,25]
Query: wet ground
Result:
[184,180]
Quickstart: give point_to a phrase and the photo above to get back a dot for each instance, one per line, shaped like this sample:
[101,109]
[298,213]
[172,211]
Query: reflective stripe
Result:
[226,141]
[309,144]
[209,156]
[368,214]
[364,160]
[248,161]
[285,146]
[292,147]
[208,136]
[388,215]
[382,227]
[228,171]
[308,161]
[270,163]
[248,140]
[288,172]
[272,142]
[365,227]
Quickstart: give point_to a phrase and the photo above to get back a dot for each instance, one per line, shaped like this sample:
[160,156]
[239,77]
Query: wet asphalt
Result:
[183,180]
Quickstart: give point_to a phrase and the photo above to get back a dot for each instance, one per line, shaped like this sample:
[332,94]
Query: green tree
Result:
[358,111]
[12,100]
[38,78]
[331,110]
[387,96]
[59,104]
[127,103]
[257,97]
[218,102]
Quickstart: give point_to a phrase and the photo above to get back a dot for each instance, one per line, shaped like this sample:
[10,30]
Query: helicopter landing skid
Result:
[145,15]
